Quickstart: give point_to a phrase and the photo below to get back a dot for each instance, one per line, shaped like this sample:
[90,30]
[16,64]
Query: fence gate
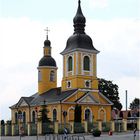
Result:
[118,126]
[63,137]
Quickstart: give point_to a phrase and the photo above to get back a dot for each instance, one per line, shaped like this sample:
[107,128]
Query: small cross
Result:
[47,31]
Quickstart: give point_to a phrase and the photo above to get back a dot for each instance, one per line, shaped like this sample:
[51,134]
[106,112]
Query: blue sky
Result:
[49,10]
[114,26]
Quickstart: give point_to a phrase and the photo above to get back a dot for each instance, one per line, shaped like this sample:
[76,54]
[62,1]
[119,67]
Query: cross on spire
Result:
[47,31]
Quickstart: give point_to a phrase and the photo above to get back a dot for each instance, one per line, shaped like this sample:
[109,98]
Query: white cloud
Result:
[22,46]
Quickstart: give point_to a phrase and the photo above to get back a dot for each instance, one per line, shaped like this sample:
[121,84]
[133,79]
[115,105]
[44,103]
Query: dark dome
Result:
[47,43]
[76,41]
[47,61]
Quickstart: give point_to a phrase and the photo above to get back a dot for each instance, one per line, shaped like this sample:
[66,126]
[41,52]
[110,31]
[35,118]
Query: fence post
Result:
[100,125]
[72,127]
[0,129]
[86,126]
[138,123]
[13,131]
[56,127]
[124,125]
[6,129]
[39,127]
[29,129]
[113,126]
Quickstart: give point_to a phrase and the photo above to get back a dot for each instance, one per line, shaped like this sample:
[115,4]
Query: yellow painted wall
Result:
[45,84]
[66,107]
[76,77]
[79,82]
[47,51]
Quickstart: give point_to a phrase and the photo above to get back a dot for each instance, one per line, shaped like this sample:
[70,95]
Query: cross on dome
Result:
[47,31]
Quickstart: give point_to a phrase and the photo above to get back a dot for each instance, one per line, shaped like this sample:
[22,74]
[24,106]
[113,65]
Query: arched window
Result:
[24,117]
[102,115]
[71,114]
[33,116]
[86,63]
[70,63]
[39,75]
[54,115]
[52,76]
[87,115]
[16,117]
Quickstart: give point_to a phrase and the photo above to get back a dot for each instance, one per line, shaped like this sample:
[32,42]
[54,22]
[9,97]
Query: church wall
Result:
[94,65]
[22,109]
[45,84]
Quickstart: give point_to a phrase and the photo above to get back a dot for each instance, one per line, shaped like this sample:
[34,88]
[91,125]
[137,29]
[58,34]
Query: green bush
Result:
[48,131]
[78,128]
[96,133]
[106,129]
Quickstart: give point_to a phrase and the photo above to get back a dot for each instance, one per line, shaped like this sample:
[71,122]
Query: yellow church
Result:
[79,82]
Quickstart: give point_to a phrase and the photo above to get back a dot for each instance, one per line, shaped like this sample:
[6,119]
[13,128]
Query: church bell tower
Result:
[47,69]
[79,57]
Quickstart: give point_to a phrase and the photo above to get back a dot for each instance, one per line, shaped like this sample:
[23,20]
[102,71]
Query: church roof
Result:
[54,95]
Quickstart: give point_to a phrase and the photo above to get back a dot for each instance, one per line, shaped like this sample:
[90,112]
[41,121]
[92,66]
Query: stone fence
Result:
[58,128]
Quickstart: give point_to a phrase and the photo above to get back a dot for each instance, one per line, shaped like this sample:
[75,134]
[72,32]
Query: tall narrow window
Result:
[39,75]
[102,115]
[16,117]
[86,63]
[70,63]
[87,115]
[33,116]
[24,117]
[54,115]
[52,76]
[20,115]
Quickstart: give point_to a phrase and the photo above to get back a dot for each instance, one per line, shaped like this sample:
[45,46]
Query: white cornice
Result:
[81,50]
[93,90]
[50,67]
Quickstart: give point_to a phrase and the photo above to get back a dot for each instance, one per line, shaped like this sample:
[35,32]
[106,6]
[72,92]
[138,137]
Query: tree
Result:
[110,90]
[46,129]
[44,114]
[135,104]
[77,113]
[2,122]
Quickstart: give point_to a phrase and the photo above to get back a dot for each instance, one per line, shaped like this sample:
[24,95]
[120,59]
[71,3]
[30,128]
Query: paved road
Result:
[119,136]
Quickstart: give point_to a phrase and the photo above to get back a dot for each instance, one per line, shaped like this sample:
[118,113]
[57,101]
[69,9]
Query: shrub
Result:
[78,128]
[107,129]
[96,133]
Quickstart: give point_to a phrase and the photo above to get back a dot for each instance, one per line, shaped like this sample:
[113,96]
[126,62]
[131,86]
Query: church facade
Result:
[79,82]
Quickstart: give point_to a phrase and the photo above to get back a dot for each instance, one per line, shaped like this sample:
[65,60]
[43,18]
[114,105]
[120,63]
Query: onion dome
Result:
[79,20]
[47,43]
[79,39]
[47,61]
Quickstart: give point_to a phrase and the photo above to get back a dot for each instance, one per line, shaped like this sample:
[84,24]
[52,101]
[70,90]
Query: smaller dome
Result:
[47,61]
[47,43]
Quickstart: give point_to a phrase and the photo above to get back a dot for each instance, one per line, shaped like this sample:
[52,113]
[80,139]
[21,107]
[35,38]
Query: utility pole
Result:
[126,99]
